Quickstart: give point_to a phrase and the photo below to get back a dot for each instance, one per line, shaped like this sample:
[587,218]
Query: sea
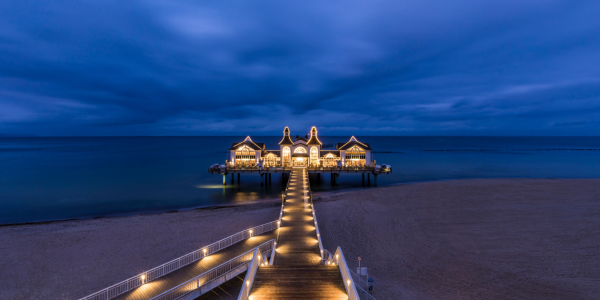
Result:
[58,178]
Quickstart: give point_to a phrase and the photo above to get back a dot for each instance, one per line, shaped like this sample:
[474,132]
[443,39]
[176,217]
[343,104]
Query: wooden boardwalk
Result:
[173,279]
[297,272]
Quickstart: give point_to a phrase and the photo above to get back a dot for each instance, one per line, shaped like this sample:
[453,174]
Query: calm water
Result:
[62,178]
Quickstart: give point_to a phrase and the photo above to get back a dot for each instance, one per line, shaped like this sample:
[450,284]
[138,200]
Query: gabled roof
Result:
[353,142]
[248,142]
[275,152]
[334,152]
[286,137]
[314,141]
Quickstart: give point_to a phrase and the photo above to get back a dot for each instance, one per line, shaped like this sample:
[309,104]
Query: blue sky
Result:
[409,67]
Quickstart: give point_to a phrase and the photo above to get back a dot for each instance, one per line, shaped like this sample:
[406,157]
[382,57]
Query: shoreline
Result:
[445,239]
[266,200]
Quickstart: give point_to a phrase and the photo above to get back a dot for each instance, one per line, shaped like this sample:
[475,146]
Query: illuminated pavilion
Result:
[303,152]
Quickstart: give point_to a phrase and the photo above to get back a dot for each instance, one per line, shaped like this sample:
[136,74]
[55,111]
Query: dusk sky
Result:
[414,67]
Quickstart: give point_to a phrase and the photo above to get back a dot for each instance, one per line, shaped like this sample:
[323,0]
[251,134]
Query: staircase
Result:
[297,272]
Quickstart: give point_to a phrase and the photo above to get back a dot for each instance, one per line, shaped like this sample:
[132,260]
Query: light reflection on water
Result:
[61,178]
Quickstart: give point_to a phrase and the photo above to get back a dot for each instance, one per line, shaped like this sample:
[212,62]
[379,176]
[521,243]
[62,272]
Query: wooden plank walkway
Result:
[297,273]
[173,279]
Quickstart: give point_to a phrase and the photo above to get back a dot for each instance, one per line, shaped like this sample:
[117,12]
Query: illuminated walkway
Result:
[297,272]
[171,280]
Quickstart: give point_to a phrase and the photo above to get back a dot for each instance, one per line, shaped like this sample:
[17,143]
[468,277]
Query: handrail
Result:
[364,294]
[321,250]
[348,281]
[359,287]
[214,273]
[166,268]
[250,275]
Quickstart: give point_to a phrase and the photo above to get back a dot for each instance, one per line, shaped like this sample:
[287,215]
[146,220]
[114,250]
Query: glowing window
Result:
[299,150]
[245,153]
[355,153]
[286,153]
[314,154]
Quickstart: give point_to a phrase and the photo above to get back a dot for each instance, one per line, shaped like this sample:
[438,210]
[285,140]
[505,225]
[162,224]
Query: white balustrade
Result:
[164,269]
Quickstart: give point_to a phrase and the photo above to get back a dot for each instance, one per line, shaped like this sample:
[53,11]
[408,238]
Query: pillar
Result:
[262,179]
[375,179]
[363,179]
[269,178]
[369,179]
[224,179]
[232,178]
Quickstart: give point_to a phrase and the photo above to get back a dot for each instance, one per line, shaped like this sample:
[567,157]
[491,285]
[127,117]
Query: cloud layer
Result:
[465,67]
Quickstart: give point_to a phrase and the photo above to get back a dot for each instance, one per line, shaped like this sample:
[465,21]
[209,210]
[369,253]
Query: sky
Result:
[378,67]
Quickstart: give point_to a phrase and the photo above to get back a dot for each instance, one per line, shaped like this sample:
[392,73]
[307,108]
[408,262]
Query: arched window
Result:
[314,155]
[355,153]
[286,154]
[299,150]
[245,153]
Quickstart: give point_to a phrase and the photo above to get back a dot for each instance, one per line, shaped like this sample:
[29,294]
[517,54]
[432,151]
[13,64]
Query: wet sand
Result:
[458,239]
[471,239]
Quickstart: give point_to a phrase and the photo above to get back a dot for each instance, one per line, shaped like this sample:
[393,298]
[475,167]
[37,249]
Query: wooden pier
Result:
[173,279]
[297,272]
[266,173]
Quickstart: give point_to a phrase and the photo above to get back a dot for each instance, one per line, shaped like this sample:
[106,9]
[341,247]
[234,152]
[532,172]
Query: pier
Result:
[249,157]
[282,259]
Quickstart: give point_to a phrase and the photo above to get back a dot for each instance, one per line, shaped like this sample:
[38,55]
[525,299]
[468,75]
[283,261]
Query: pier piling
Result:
[375,179]
[363,179]
[238,178]
[262,179]
[231,178]
[369,179]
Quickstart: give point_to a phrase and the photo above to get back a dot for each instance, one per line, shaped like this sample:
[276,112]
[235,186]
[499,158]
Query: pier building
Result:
[352,156]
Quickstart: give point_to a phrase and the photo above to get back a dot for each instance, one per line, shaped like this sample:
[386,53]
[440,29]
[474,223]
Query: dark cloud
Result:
[380,67]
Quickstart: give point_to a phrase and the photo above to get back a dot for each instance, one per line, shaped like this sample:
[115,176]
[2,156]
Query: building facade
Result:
[304,151]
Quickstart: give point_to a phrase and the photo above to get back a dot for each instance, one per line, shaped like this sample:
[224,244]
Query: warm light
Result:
[250,231]
[204,250]
[143,277]
[247,282]
[348,282]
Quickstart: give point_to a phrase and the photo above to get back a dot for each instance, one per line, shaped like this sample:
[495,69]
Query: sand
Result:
[72,259]
[471,239]
[459,239]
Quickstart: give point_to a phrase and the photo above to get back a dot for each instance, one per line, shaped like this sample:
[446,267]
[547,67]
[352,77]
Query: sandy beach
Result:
[458,239]
[72,259]
[471,239]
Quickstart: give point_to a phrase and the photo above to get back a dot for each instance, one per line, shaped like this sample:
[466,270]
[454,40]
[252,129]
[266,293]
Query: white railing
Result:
[348,281]
[164,269]
[235,264]
[257,260]
[321,250]
[364,293]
